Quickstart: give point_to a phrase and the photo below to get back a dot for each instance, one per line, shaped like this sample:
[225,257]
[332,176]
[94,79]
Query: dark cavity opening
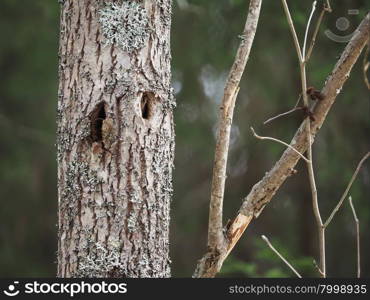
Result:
[97,117]
[146,105]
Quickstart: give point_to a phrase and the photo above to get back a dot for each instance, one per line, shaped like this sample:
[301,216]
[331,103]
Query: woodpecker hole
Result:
[147,105]
[97,117]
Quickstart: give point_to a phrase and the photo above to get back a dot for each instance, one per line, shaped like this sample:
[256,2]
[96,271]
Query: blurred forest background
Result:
[204,42]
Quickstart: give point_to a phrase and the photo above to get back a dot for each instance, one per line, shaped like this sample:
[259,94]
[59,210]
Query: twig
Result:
[295,108]
[315,203]
[318,268]
[357,237]
[328,6]
[264,190]
[292,29]
[281,115]
[281,257]
[307,29]
[279,141]
[344,196]
[314,36]
[215,234]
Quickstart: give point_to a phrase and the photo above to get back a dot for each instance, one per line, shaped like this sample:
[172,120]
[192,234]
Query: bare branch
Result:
[281,115]
[307,29]
[278,141]
[326,8]
[357,237]
[280,256]
[344,196]
[215,234]
[292,29]
[295,108]
[315,203]
[318,268]
[263,191]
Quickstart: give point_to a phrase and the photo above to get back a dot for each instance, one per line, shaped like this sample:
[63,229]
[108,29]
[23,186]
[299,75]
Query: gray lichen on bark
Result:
[101,261]
[125,24]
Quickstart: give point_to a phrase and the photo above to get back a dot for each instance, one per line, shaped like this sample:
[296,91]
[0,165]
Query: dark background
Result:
[204,42]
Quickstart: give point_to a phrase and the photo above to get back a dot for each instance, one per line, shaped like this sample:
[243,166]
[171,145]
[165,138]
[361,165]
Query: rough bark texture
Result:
[216,238]
[115,138]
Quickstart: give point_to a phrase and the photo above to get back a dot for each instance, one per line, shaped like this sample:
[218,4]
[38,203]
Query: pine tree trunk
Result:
[115,138]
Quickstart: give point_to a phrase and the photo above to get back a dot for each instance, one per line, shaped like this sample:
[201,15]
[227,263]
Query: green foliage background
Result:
[204,41]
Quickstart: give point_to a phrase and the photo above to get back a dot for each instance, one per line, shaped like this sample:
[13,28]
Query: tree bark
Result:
[115,138]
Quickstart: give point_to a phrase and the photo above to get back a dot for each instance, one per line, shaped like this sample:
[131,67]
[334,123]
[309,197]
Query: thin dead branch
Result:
[278,141]
[280,256]
[304,60]
[357,237]
[318,268]
[295,108]
[326,8]
[344,196]
[294,34]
